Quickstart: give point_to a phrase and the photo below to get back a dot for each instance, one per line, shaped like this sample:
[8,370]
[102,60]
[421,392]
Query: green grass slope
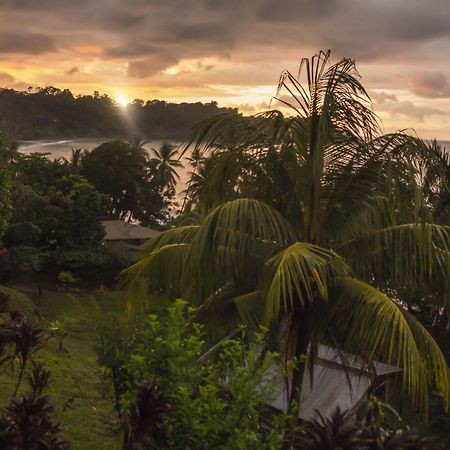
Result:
[87,417]
[18,300]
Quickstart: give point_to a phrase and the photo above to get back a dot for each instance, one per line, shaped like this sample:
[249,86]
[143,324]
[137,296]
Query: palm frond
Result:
[241,223]
[220,186]
[333,94]
[298,275]
[407,255]
[162,273]
[178,235]
[251,308]
[372,326]
[234,241]
[434,360]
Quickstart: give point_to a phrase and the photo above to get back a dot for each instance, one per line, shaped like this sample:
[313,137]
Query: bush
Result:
[92,267]
[170,396]
[66,277]
[28,421]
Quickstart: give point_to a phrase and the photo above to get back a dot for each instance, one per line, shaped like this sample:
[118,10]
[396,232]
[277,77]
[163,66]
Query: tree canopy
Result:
[49,112]
[123,173]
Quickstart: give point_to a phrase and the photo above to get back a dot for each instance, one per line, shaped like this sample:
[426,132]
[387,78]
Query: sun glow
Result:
[122,101]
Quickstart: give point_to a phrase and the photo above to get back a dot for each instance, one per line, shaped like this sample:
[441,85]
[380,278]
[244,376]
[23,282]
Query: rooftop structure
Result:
[118,230]
[339,379]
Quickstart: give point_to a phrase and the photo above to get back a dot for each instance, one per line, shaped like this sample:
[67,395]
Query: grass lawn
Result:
[86,415]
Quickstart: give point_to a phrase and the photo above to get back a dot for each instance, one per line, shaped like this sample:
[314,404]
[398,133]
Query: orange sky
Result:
[232,51]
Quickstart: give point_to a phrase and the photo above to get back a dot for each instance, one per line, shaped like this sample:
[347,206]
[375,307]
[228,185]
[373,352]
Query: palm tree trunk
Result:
[295,394]
[315,182]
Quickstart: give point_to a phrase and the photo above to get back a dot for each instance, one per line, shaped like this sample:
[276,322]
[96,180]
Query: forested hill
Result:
[54,113]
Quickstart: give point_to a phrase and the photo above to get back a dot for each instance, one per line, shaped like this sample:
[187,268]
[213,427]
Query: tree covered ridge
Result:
[50,112]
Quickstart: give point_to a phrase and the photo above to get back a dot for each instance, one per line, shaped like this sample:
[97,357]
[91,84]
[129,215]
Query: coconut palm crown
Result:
[314,226]
[165,162]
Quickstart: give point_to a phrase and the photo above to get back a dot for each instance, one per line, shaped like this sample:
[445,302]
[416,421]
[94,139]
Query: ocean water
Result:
[445,144]
[63,149]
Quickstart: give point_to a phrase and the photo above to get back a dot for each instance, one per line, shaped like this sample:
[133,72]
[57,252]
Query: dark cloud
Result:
[389,103]
[430,85]
[383,97]
[409,109]
[151,66]
[366,30]
[6,78]
[73,71]
[131,49]
[223,5]
[21,42]
[414,21]
[39,5]
[206,32]
[287,10]
[120,20]
[206,67]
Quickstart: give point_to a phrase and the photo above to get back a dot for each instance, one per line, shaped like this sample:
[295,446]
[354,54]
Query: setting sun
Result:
[122,101]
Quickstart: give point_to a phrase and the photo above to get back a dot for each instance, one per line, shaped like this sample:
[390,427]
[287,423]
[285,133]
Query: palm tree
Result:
[437,184]
[324,226]
[198,180]
[76,156]
[138,142]
[165,163]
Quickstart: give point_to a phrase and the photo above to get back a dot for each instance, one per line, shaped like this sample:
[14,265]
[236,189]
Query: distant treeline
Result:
[54,113]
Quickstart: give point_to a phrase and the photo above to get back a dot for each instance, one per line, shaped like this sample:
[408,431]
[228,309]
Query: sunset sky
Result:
[232,51]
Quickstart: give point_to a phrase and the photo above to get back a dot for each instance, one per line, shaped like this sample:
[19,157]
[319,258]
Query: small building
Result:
[126,232]
[339,380]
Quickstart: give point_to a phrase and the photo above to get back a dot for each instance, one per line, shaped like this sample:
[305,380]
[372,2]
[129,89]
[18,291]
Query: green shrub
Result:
[215,402]
[66,277]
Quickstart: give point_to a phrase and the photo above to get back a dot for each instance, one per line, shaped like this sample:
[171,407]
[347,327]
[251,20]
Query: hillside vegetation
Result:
[50,112]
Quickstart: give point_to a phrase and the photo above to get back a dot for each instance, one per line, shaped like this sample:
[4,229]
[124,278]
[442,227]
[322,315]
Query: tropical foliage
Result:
[370,429]
[55,215]
[169,393]
[315,224]
[7,152]
[55,224]
[121,171]
[437,184]
[28,421]
[5,199]
[164,163]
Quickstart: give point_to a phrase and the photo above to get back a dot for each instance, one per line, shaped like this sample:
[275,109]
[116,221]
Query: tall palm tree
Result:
[165,163]
[437,184]
[76,155]
[138,142]
[198,180]
[324,226]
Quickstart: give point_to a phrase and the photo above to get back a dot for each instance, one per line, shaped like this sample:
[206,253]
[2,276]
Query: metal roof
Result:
[339,379]
[118,230]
